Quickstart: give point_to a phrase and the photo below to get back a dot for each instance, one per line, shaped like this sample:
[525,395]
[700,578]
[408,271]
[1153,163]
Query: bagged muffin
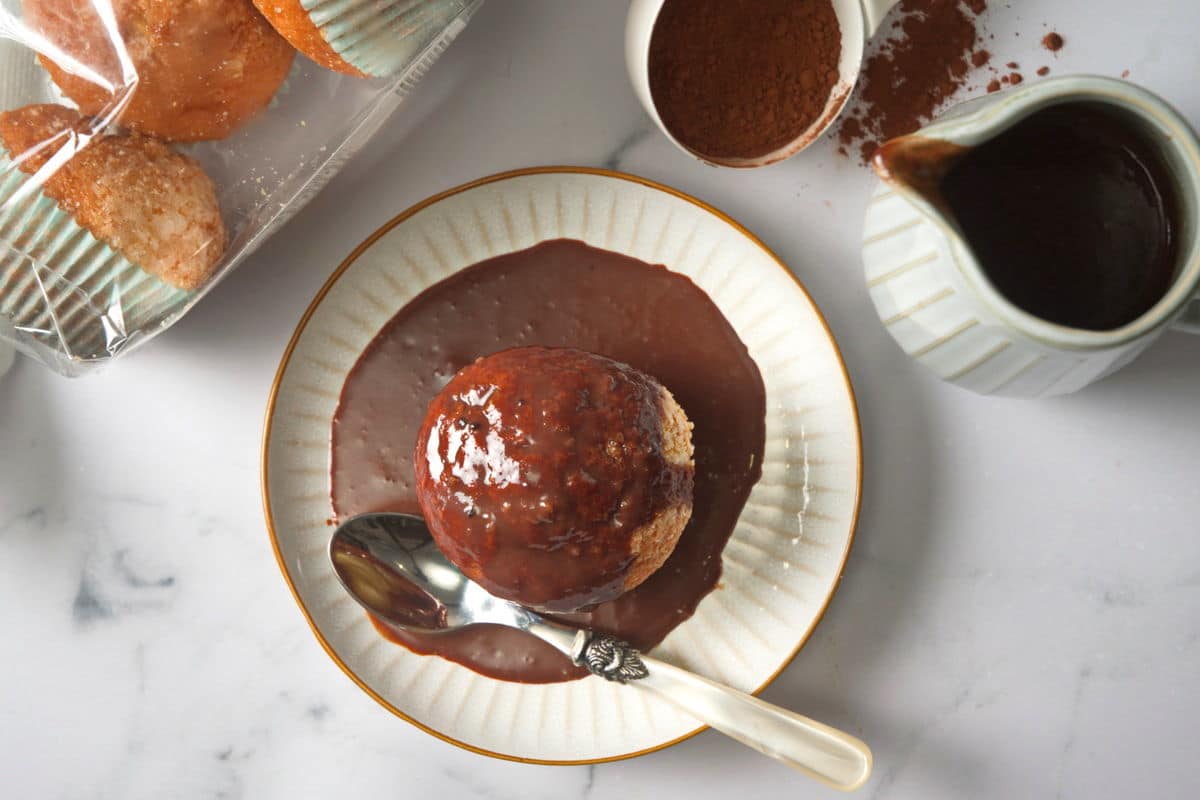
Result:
[148,146]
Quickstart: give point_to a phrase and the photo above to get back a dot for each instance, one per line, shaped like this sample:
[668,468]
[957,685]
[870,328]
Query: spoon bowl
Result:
[390,564]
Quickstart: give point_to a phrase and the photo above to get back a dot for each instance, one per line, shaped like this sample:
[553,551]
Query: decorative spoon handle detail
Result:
[610,658]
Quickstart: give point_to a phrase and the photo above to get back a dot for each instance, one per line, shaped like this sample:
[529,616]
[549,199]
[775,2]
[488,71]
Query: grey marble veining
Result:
[1020,615]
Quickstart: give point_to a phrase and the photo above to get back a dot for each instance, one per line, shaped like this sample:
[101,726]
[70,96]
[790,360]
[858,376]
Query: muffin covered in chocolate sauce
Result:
[554,477]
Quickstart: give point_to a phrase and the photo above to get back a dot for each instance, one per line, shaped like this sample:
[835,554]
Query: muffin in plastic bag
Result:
[148,146]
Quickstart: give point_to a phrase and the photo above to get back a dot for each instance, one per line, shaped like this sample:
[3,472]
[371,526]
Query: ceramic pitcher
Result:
[935,300]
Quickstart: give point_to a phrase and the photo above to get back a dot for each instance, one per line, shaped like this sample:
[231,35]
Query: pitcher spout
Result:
[917,164]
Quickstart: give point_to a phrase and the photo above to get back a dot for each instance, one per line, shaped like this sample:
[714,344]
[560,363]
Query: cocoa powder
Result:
[905,80]
[908,77]
[735,79]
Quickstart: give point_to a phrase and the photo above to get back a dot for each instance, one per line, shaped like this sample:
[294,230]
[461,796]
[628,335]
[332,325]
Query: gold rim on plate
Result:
[382,231]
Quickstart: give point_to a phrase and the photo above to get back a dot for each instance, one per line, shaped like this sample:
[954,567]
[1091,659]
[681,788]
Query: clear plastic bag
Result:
[148,146]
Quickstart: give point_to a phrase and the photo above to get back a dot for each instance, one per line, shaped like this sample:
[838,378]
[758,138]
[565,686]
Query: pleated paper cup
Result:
[6,349]
[63,288]
[22,80]
[383,38]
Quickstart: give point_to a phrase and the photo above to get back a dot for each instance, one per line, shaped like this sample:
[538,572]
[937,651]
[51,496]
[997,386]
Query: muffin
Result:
[555,478]
[365,38]
[155,206]
[113,233]
[203,67]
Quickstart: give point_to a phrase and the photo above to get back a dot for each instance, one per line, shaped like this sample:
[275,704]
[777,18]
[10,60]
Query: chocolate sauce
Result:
[560,294]
[539,471]
[1073,215]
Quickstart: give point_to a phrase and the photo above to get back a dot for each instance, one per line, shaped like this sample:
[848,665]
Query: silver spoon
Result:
[390,565]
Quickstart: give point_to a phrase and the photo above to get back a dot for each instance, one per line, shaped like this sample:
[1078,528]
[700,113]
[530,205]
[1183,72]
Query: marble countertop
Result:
[1020,615]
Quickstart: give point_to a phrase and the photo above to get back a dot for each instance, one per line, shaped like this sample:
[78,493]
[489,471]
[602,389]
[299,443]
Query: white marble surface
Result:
[1020,616]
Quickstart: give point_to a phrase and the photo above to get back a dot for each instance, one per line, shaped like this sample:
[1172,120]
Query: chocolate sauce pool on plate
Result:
[560,293]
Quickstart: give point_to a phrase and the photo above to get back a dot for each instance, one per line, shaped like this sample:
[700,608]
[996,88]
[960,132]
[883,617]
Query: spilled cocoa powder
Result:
[935,44]
[740,79]
[1053,42]
[927,59]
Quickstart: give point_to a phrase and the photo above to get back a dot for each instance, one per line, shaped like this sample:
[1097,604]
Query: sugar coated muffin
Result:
[154,206]
[203,67]
[555,478]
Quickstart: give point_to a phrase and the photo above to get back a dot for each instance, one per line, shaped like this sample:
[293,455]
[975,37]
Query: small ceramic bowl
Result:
[857,20]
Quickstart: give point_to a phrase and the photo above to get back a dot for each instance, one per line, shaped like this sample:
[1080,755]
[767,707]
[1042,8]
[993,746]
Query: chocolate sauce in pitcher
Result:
[1072,213]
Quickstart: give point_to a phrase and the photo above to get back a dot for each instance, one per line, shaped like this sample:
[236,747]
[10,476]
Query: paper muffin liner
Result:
[382,38]
[22,80]
[63,288]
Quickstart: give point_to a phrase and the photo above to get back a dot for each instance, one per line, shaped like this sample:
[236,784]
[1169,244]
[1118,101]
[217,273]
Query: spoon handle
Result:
[832,757]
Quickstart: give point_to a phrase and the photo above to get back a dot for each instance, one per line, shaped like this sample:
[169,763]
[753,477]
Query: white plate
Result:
[781,565]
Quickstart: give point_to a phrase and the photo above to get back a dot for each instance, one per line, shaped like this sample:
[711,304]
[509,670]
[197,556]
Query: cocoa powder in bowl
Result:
[741,79]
